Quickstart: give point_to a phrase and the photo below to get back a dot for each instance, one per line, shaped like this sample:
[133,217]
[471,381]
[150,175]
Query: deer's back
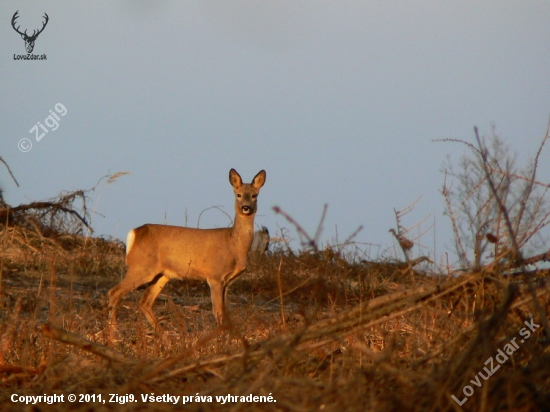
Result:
[181,251]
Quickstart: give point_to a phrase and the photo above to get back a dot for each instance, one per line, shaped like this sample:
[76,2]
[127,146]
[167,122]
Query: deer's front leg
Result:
[217,293]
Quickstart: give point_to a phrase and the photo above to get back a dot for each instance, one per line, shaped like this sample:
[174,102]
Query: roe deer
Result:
[155,254]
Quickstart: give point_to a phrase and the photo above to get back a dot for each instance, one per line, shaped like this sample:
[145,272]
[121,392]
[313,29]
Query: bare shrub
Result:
[499,210]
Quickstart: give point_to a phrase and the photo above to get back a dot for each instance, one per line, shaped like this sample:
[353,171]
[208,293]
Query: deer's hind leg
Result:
[150,295]
[135,276]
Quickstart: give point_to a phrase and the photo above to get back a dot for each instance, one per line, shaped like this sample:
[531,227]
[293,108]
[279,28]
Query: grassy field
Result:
[311,331]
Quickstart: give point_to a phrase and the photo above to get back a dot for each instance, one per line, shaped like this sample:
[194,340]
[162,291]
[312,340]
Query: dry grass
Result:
[313,330]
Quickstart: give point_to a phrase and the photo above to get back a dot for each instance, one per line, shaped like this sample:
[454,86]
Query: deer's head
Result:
[29,40]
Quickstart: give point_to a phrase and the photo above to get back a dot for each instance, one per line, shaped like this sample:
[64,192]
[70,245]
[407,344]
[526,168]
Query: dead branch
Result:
[220,208]
[519,177]
[9,171]
[14,369]
[512,234]
[311,241]
[10,212]
[541,274]
[214,360]
[543,257]
[70,338]
[446,194]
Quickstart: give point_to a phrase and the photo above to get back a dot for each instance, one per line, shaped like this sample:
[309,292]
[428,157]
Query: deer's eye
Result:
[239,195]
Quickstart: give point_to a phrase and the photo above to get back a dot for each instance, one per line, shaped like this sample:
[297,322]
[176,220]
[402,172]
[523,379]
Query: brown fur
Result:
[158,253]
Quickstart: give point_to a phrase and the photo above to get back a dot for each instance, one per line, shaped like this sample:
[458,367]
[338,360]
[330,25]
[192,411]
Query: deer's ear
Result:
[23,36]
[235,179]
[259,179]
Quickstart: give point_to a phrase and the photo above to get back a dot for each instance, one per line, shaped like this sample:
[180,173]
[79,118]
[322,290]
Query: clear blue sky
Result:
[338,101]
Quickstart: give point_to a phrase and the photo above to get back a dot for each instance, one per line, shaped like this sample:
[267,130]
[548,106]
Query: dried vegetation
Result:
[315,329]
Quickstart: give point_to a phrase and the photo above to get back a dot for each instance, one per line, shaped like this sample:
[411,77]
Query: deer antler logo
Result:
[29,40]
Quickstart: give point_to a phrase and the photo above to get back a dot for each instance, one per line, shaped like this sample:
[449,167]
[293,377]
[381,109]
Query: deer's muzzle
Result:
[247,210]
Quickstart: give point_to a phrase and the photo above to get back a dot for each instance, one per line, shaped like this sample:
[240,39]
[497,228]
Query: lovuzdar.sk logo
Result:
[29,39]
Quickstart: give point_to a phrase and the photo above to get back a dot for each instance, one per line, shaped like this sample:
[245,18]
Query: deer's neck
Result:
[242,231]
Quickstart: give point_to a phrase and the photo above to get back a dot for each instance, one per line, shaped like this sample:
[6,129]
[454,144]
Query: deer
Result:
[156,254]
[29,40]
